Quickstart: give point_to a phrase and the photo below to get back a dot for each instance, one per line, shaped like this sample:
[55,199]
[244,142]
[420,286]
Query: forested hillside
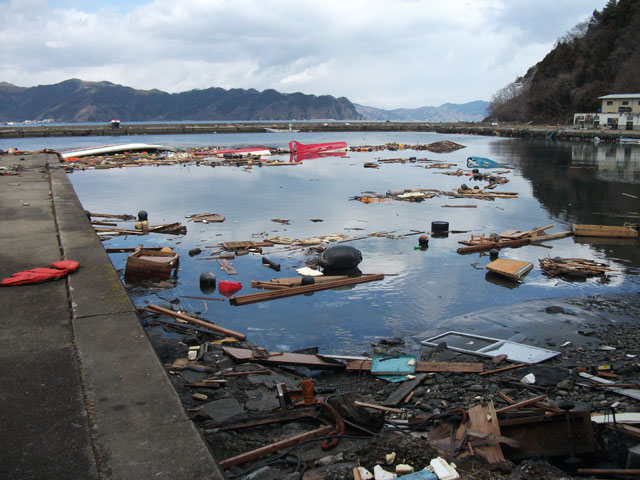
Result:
[598,57]
[78,101]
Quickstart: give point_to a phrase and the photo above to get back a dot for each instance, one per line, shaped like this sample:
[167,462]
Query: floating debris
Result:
[572,267]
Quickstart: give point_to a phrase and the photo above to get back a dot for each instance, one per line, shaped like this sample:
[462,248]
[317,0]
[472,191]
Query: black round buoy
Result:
[340,257]
[475,170]
[142,215]
[494,237]
[194,251]
[493,253]
[440,229]
[464,186]
[557,259]
[423,241]
[307,280]
[207,282]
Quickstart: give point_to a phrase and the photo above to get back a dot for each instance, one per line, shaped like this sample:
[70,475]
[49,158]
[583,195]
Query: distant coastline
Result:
[223,127]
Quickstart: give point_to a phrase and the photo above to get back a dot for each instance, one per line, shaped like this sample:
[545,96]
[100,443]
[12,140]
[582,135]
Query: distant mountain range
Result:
[74,101]
[78,101]
[447,112]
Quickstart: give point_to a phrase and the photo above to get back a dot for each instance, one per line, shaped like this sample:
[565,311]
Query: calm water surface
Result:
[558,183]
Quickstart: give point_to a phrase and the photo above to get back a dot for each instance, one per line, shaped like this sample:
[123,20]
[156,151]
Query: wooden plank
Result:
[274,447]
[226,266]
[280,358]
[272,295]
[603,231]
[510,367]
[405,389]
[377,407]
[458,367]
[196,321]
[485,420]
[523,403]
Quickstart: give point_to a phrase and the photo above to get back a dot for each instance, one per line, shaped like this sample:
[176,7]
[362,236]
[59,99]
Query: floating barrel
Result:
[440,229]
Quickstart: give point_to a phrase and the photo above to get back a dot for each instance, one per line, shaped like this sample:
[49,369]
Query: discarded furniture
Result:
[150,263]
[512,269]
[491,347]
[603,231]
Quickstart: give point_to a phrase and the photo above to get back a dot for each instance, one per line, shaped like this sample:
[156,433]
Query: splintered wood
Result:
[572,267]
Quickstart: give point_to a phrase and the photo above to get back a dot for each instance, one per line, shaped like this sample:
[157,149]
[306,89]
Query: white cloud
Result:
[406,53]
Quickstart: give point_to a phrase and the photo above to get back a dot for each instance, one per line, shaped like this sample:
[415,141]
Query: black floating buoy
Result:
[268,263]
[307,280]
[142,215]
[207,282]
[464,186]
[423,241]
[475,170]
[340,257]
[194,251]
[439,229]
[493,253]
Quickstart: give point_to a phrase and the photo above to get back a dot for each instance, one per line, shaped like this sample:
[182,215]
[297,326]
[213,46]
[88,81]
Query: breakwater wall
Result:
[503,130]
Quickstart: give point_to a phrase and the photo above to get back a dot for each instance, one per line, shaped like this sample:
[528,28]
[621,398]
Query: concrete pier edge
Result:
[95,401]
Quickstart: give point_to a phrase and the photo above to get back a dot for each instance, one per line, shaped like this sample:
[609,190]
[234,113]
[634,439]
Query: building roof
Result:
[620,95]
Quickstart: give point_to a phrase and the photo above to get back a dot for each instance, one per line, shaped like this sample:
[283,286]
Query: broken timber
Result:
[274,447]
[284,283]
[460,367]
[196,321]
[264,296]
[280,358]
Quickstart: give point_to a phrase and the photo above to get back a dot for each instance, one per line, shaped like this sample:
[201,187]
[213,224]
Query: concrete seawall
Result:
[505,130]
[84,395]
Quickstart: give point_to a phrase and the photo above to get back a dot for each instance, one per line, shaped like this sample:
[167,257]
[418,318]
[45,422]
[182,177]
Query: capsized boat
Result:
[481,162]
[107,149]
[301,148]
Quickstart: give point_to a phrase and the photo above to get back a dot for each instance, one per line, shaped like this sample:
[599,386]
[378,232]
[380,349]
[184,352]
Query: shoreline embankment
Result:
[503,130]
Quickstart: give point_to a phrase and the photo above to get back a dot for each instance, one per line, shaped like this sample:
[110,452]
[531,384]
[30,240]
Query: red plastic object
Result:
[228,288]
[37,275]
[69,265]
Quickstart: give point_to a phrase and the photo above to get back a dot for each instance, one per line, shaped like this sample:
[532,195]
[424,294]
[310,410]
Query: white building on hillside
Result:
[620,111]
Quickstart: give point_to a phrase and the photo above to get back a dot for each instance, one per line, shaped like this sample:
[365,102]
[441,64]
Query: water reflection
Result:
[425,287]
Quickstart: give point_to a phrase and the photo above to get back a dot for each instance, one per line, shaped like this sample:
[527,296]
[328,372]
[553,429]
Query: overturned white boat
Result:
[107,149]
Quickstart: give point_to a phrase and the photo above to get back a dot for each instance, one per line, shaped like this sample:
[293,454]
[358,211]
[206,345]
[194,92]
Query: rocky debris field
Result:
[243,406]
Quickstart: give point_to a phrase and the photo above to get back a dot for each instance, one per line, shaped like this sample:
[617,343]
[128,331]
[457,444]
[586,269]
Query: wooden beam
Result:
[459,367]
[524,403]
[405,389]
[196,321]
[274,447]
[265,296]
[510,367]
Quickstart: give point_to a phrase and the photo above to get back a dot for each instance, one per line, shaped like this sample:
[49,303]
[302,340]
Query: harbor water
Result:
[558,183]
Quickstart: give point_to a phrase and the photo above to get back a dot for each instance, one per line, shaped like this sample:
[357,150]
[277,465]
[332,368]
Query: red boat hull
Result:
[301,148]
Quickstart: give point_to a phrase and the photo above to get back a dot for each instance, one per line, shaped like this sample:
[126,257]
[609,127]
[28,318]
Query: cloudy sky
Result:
[381,53]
